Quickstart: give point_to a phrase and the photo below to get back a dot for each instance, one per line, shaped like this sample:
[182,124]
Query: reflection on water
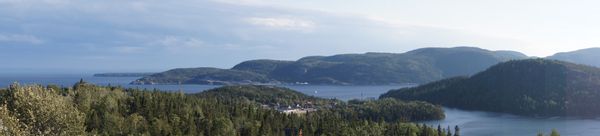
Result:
[475,123]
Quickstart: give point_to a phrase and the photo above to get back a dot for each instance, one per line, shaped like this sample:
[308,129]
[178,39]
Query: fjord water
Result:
[472,123]
[476,123]
[325,91]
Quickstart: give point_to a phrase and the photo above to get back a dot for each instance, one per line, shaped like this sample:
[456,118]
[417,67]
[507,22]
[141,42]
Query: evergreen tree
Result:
[87,109]
[439,130]
[456,131]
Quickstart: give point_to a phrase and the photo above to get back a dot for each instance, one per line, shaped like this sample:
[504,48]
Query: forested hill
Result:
[261,94]
[533,87]
[87,109]
[375,110]
[417,66]
[584,56]
[122,74]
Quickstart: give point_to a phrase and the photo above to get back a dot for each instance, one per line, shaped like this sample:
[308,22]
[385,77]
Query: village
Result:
[302,108]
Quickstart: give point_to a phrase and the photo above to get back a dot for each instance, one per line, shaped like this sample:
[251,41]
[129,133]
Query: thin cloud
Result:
[20,38]
[283,23]
[129,49]
[175,42]
[177,32]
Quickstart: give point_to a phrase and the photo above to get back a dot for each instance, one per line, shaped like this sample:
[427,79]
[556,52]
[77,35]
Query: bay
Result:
[471,123]
[478,123]
[65,80]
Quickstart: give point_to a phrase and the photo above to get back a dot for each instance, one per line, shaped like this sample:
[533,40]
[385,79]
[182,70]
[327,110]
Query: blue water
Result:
[472,123]
[338,92]
[477,123]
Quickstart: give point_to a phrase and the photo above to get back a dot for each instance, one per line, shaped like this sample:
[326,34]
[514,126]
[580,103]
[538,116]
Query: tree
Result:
[223,127]
[554,133]
[98,110]
[44,112]
[439,130]
[456,131]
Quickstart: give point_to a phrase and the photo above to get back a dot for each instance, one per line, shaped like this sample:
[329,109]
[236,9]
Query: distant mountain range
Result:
[590,56]
[417,66]
[532,87]
[122,74]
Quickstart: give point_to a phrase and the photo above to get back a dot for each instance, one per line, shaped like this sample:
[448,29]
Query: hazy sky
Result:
[156,35]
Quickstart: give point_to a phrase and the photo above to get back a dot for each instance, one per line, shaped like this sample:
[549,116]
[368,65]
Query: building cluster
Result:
[292,109]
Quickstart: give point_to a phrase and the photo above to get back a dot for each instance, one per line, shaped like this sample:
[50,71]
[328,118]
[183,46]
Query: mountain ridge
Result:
[416,66]
[532,87]
[586,56]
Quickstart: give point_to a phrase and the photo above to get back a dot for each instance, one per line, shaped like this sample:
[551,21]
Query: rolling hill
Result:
[584,56]
[532,87]
[417,66]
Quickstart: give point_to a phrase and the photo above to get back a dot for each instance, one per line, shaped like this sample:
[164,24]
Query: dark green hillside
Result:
[463,61]
[203,76]
[418,66]
[261,94]
[534,87]
[375,110]
[369,68]
[386,109]
[261,66]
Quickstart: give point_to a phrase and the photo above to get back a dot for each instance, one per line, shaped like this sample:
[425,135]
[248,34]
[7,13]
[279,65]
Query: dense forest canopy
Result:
[87,109]
[533,87]
[262,95]
[417,66]
[385,109]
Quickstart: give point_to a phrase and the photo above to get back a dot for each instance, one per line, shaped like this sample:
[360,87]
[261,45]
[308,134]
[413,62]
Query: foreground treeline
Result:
[94,110]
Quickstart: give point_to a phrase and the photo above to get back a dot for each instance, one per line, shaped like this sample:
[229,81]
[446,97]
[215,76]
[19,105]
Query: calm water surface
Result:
[339,92]
[475,123]
[472,123]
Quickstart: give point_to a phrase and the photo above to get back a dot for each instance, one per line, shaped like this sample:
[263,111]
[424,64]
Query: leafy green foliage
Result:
[418,66]
[261,94]
[391,110]
[554,132]
[9,124]
[87,109]
[40,111]
[534,87]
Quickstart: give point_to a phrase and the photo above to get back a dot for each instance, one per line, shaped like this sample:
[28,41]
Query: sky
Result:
[70,36]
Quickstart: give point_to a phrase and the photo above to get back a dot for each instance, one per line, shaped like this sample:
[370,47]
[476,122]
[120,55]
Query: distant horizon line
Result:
[66,71]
